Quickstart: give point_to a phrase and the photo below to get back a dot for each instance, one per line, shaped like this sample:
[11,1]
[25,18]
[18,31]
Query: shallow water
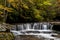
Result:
[34,38]
[42,36]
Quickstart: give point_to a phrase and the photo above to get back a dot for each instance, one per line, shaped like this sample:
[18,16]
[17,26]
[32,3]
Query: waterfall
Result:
[33,26]
[42,30]
[44,27]
[36,26]
[40,24]
[20,27]
[28,26]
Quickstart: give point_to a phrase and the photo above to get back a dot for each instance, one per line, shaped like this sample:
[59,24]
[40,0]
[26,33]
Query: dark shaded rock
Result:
[56,27]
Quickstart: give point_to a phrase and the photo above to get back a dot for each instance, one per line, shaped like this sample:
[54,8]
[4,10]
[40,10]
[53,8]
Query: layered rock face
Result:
[4,27]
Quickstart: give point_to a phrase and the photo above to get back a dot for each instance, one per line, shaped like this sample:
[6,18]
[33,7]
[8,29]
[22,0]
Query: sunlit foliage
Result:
[30,10]
[6,36]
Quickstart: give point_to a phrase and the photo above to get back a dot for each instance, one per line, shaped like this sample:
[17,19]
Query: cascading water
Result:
[28,26]
[43,29]
[33,27]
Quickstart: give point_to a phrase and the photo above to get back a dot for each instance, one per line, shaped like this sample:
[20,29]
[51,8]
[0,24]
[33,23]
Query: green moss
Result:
[6,36]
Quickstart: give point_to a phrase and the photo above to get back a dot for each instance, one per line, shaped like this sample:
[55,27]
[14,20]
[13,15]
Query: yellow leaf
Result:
[47,3]
[14,5]
[1,7]
[10,1]
[8,9]
[1,12]
[25,6]
[31,1]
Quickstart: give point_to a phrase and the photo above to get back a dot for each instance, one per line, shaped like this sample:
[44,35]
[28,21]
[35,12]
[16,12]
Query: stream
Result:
[41,31]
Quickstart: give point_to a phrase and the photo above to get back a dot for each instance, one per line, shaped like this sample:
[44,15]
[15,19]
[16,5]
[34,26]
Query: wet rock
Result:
[26,37]
[56,36]
[6,36]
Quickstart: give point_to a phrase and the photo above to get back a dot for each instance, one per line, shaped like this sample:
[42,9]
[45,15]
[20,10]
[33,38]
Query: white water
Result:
[44,27]
[33,27]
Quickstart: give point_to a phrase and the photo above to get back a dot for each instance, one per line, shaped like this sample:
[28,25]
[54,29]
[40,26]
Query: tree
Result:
[57,10]
[3,10]
[31,10]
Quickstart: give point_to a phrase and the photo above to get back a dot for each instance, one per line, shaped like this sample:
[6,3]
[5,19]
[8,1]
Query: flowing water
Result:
[39,30]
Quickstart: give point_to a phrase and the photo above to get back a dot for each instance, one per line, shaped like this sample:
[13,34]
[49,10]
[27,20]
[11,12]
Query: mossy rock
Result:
[6,36]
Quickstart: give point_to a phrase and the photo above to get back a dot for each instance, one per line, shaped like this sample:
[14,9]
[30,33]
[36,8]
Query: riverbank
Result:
[6,36]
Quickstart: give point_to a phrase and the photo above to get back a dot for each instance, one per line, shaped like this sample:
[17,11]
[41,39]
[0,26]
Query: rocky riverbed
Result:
[26,37]
[39,37]
[31,37]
